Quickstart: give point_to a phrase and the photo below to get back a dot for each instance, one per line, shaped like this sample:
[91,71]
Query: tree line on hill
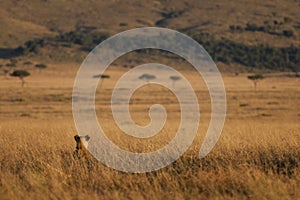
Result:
[260,56]
[274,27]
[222,50]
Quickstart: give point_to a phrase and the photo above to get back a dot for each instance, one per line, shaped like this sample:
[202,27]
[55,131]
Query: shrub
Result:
[123,24]
[27,63]
[41,66]
[232,28]
[287,19]
[288,33]
[251,27]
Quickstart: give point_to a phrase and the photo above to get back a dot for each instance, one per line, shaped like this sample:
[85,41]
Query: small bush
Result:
[27,63]
[41,66]
[251,27]
[123,24]
[288,33]
[232,27]
[287,19]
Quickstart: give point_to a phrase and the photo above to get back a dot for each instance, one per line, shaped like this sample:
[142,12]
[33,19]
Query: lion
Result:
[81,146]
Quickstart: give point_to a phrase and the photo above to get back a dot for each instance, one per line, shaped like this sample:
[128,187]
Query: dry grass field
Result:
[257,156]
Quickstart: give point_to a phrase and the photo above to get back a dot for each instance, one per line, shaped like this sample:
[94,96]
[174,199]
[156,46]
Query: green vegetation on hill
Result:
[222,50]
[254,34]
[272,28]
[260,56]
[85,38]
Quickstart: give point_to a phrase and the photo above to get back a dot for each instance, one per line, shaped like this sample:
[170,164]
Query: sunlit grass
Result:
[257,156]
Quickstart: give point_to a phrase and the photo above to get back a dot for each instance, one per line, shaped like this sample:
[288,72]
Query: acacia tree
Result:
[40,66]
[174,79]
[21,74]
[101,76]
[147,77]
[255,79]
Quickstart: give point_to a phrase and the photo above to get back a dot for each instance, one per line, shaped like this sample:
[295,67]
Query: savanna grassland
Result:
[257,156]
[258,153]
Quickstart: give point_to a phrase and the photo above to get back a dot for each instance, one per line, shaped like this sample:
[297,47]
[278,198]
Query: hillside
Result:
[274,24]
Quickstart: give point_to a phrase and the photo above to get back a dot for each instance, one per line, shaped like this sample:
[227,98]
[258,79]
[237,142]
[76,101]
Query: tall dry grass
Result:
[251,161]
[257,156]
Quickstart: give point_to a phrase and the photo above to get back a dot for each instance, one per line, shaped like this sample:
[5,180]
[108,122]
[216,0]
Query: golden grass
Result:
[257,156]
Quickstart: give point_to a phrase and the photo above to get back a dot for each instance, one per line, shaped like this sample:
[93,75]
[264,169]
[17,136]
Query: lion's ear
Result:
[77,138]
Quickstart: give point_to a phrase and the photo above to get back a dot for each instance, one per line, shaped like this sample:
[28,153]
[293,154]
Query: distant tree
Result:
[40,66]
[21,74]
[27,63]
[174,79]
[101,76]
[255,78]
[147,77]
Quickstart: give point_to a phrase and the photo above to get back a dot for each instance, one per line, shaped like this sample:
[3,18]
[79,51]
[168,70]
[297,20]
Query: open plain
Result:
[257,156]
